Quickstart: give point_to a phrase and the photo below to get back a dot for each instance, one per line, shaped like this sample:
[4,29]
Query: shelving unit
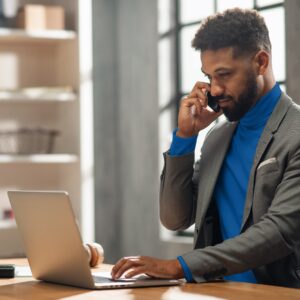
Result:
[11,97]
[4,224]
[40,36]
[39,159]
[53,60]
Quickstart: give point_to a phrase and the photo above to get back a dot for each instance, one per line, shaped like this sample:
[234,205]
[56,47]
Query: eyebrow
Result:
[217,70]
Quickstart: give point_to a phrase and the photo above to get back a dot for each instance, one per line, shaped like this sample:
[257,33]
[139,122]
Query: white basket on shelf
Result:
[27,141]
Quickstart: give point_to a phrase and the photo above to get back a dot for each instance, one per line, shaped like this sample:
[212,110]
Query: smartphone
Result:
[213,101]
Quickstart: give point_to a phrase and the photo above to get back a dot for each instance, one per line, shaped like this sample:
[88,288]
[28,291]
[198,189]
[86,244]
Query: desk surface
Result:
[28,288]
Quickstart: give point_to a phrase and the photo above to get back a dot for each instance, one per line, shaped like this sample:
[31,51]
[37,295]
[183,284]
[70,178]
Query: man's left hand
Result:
[159,268]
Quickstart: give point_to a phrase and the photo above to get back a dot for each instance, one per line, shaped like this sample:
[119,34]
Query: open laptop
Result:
[53,244]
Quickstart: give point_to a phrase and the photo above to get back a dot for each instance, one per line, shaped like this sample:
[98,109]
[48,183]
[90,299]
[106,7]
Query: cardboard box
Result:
[41,17]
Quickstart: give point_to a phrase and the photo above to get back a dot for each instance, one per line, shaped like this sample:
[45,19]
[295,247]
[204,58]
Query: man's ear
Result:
[261,61]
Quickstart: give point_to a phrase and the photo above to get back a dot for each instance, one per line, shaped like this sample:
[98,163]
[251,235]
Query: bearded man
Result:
[243,194]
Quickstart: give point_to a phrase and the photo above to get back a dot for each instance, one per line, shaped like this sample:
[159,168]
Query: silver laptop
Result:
[53,243]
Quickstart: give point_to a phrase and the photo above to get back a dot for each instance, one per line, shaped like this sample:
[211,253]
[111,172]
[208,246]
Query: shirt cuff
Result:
[187,272]
[182,146]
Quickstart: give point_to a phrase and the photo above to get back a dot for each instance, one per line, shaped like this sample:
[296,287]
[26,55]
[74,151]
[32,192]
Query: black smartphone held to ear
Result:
[213,101]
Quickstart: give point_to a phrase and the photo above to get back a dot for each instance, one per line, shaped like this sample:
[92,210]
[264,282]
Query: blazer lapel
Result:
[216,148]
[265,139]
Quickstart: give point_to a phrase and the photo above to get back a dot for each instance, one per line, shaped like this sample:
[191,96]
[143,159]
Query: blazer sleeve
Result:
[273,237]
[178,191]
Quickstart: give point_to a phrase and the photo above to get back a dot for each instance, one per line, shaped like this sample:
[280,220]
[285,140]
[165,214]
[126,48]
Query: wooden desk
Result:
[29,289]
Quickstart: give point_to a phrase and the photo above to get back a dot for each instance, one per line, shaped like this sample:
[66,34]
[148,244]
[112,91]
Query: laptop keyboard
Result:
[130,282]
[110,283]
[100,279]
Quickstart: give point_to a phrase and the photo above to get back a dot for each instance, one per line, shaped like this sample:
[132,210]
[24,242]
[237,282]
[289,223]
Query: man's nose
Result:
[216,89]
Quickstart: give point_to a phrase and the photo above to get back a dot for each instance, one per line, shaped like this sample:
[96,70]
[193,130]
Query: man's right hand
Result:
[193,113]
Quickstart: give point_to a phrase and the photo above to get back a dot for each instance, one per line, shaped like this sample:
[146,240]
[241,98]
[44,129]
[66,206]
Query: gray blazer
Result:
[269,241]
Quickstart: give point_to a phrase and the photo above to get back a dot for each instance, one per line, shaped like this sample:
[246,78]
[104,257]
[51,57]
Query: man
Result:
[243,195]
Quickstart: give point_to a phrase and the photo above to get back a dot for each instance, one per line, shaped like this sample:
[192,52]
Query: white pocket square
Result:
[267,161]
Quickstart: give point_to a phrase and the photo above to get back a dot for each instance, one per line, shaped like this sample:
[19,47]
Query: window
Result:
[179,64]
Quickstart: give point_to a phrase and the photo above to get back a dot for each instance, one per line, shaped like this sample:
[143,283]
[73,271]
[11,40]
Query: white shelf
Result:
[7,224]
[39,159]
[14,97]
[20,35]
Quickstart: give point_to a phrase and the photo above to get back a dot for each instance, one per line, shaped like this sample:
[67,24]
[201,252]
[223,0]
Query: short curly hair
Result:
[242,29]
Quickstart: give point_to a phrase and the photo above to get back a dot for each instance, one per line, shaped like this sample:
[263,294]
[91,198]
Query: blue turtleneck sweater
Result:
[231,187]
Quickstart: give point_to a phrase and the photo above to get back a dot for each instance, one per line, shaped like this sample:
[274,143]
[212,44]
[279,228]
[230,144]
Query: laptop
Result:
[54,247]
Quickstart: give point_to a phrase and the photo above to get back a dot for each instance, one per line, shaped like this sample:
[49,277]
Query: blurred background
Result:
[89,94]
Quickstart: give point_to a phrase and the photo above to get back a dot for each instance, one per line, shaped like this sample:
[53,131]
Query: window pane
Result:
[225,4]
[201,136]
[190,60]
[164,15]
[165,72]
[268,2]
[283,87]
[275,21]
[195,10]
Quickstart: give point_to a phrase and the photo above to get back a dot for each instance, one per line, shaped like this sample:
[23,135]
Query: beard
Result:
[244,102]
